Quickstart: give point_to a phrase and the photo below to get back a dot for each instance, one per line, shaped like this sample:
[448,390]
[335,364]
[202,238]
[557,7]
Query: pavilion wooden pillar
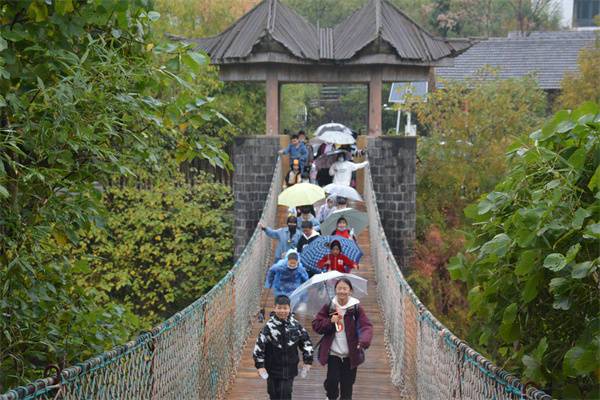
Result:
[375,88]
[272,103]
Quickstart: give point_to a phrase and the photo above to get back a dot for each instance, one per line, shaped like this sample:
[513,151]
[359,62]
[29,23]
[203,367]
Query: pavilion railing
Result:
[192,355]
[427,360]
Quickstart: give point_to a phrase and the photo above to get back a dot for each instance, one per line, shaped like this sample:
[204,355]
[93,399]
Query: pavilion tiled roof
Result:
[377,20]
[547,55]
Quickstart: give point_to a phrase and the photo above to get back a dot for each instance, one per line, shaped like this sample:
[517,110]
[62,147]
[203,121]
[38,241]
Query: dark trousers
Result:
[340,378]
[280,389]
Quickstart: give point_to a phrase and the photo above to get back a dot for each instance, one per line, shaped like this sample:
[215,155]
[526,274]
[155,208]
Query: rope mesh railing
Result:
[427,360]
[192,355]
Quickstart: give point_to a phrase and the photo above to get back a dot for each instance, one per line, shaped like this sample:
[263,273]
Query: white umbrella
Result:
[335,137]
[310,297]
[333,126]
[343,191]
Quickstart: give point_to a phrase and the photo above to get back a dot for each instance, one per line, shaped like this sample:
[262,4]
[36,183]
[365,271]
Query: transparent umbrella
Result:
[343,191]
[308,298]
[333,127]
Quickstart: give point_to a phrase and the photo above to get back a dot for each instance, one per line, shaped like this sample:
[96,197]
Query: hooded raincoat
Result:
[283,279]
[285,240]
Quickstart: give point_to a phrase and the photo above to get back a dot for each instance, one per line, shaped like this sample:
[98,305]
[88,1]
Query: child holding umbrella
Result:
[336,260]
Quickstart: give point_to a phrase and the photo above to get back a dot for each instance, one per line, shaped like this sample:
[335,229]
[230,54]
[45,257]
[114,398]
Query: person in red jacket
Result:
[336,260]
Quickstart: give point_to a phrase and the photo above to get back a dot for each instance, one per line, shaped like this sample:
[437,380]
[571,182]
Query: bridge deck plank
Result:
[373,378]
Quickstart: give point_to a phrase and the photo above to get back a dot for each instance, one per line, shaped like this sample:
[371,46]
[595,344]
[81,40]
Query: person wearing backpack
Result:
[347,333]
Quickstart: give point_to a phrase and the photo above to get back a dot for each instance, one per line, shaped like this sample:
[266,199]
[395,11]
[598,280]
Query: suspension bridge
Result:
[204,351]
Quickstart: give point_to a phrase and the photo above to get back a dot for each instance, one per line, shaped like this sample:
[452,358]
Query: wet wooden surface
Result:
[373,377]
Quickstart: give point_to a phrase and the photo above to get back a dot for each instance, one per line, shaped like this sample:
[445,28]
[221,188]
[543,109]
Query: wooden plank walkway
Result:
[373,377]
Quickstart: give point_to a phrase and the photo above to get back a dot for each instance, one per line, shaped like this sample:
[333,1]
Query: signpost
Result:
[398,94]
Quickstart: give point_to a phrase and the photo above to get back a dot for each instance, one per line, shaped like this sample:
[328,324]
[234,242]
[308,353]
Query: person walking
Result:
[293,176]
[326,209]
[336,260]
[347,333]
[308,235]
[342,229]
[297,151]
[307,215]
[309,150]
[287,237]
[276,350]
[341,170]
[286,275]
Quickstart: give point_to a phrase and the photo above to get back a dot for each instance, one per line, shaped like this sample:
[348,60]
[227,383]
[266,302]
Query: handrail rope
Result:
[509,381]
[41,387]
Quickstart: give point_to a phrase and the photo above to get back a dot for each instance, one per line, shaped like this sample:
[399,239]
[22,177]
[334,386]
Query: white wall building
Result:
[577,14]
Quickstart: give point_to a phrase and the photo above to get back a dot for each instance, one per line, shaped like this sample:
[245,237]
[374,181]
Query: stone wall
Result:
[393,170]
[254,163]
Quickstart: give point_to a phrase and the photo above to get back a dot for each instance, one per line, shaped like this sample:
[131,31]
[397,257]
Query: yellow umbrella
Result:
[301,194]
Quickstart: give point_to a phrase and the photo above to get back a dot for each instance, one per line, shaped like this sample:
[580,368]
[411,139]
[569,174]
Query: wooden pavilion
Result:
[377,43]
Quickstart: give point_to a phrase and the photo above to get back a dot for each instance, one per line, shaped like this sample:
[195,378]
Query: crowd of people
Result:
[345,328]
[303,166]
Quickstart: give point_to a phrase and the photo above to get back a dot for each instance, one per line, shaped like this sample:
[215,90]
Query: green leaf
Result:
[499,245]
[588,361]
[592,231]
[153,15]
[594,182]
[562,303]
[581,270]
[510,313]
[577,159]
[456,267]
[555,262]
[579,217]
[572,252]
[3,44]
[63,7]
[569,360]
[3,192]
[38,11]
[531,289]
[527,262]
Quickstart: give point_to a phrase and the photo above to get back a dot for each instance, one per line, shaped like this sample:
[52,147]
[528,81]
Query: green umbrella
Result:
[357,220]
[301,194]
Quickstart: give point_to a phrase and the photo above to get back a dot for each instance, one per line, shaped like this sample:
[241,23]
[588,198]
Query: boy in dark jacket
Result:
[276,350]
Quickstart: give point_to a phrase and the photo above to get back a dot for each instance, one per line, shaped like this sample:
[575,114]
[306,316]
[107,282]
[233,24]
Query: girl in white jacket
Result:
[341,170]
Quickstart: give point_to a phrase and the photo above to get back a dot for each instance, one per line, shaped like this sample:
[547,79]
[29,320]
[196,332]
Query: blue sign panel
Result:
[401,89]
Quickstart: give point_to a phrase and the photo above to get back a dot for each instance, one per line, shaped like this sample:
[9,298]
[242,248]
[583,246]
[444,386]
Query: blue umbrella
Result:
[318,248]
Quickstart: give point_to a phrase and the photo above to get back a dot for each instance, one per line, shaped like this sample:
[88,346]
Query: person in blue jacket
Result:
[286,275]
[297,151]
[287,238]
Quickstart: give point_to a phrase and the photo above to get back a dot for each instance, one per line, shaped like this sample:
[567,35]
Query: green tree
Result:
[86,95]
[582,86]
[532,264]
[162,248]
[467,127]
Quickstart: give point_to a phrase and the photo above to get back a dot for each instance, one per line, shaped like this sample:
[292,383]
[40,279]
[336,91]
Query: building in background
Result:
[547,55]
[577,14]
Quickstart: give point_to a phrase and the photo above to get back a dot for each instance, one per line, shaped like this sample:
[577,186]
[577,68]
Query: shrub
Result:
[162,248]
[532,265]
